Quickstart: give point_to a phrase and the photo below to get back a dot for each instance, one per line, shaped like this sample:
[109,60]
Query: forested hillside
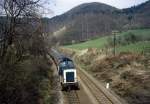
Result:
[96,19]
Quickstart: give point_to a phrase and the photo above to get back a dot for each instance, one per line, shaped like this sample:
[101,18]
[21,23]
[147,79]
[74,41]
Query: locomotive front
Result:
[68,74]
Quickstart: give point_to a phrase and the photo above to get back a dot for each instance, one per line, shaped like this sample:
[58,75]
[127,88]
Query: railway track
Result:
[96,91]
[99,94]
[71,97]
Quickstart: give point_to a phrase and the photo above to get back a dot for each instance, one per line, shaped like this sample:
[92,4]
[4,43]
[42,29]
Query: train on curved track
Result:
[66,70]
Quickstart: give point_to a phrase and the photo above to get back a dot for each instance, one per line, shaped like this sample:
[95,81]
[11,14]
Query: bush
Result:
[27,82]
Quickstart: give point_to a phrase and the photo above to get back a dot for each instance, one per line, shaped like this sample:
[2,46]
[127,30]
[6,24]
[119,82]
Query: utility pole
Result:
[82,32]
[87,30]
[114,34]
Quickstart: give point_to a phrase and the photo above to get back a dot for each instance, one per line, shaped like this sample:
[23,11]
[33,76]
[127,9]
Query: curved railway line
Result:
[101,96]
[97,93]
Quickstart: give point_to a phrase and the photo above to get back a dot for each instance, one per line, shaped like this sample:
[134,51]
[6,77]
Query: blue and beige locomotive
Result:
[66,70]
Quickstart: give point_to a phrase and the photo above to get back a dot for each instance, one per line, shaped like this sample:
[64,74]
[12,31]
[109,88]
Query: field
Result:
[96,43]
[137,47]
[103,41]
[142,32]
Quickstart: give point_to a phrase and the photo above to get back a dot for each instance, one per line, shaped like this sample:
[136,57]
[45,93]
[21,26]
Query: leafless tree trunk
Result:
[15,13]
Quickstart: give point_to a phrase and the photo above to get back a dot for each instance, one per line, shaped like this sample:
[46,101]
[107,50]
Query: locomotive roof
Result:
[59,57]
[65,59]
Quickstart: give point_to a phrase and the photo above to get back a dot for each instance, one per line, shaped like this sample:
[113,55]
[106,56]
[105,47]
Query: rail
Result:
[99,92]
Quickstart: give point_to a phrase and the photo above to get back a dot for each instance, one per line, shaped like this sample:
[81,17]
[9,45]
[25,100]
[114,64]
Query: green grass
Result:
[103,41]
[143,32]
[96,43]
[135,47]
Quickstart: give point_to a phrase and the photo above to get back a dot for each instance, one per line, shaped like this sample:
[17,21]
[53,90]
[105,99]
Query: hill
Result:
[97,19]
[93,7]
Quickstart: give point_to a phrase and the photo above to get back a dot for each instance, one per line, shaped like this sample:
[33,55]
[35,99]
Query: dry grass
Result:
[128,73]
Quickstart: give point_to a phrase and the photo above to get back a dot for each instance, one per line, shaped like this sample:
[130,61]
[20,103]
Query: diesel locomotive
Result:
[66,70]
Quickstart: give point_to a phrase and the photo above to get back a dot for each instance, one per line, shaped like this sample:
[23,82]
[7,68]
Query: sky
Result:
[58,7]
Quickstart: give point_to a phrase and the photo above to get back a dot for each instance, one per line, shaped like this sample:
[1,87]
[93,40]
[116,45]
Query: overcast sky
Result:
[60,6]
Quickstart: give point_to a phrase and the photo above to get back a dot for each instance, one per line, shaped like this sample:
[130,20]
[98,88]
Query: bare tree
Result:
[20,19]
